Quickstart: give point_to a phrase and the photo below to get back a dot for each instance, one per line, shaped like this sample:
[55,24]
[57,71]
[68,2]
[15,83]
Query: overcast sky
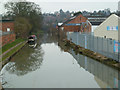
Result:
[71,5]
[76,6]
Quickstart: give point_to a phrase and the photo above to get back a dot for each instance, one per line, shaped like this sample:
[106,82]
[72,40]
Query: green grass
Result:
[12,51]
[8,46]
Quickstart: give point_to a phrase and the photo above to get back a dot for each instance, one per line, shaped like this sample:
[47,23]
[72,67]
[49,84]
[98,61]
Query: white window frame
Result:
[8,29]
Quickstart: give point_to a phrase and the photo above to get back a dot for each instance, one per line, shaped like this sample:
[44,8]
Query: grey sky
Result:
[71,5]
[76,6]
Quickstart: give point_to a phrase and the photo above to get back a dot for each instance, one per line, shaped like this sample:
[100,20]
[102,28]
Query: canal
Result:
[52,65]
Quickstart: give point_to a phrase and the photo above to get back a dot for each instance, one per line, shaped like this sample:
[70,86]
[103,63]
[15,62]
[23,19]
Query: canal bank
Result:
[9,54]
[94,55]
[6,56]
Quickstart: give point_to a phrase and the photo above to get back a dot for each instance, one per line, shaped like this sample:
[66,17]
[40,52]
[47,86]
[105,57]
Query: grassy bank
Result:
[10,53]
[8,46]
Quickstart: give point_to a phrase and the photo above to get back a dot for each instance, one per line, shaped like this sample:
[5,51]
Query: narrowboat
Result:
[32,41]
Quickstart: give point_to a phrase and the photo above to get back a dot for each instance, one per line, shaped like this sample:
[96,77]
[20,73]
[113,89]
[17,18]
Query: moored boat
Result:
[32,41]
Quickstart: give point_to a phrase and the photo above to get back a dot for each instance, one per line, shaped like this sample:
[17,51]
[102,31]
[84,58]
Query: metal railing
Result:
[105,46]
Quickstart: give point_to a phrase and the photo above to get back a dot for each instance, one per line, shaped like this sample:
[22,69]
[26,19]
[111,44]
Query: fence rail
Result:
[104,46]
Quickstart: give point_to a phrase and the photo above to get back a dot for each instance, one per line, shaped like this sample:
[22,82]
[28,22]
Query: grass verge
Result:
[10,53]
[8,46]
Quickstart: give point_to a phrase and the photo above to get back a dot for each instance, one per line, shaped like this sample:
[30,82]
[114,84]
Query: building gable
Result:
[109,28]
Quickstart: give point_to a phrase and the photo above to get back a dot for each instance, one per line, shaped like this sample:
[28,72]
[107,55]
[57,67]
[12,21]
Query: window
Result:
[8,29]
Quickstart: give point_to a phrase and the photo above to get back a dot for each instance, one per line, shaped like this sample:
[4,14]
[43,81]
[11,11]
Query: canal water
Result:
[51,65]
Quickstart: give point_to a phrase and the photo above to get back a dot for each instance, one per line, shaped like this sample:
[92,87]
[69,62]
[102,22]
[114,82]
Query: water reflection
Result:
[105,76]
[48,38]
[27,60]
[58,69]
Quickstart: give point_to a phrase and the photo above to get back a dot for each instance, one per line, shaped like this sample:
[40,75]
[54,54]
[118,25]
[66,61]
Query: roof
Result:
[73,17]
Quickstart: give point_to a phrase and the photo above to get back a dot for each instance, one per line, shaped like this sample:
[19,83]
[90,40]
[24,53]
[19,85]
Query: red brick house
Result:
[77,23]
[7,34]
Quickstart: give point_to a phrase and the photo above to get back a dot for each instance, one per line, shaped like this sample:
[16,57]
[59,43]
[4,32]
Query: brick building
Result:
[77,23]
[7,34]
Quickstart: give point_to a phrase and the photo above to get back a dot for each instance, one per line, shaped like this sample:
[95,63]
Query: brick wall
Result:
[85,29]
[78,20]
[6,25]
[5,39]
[72,28]
[8,38]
